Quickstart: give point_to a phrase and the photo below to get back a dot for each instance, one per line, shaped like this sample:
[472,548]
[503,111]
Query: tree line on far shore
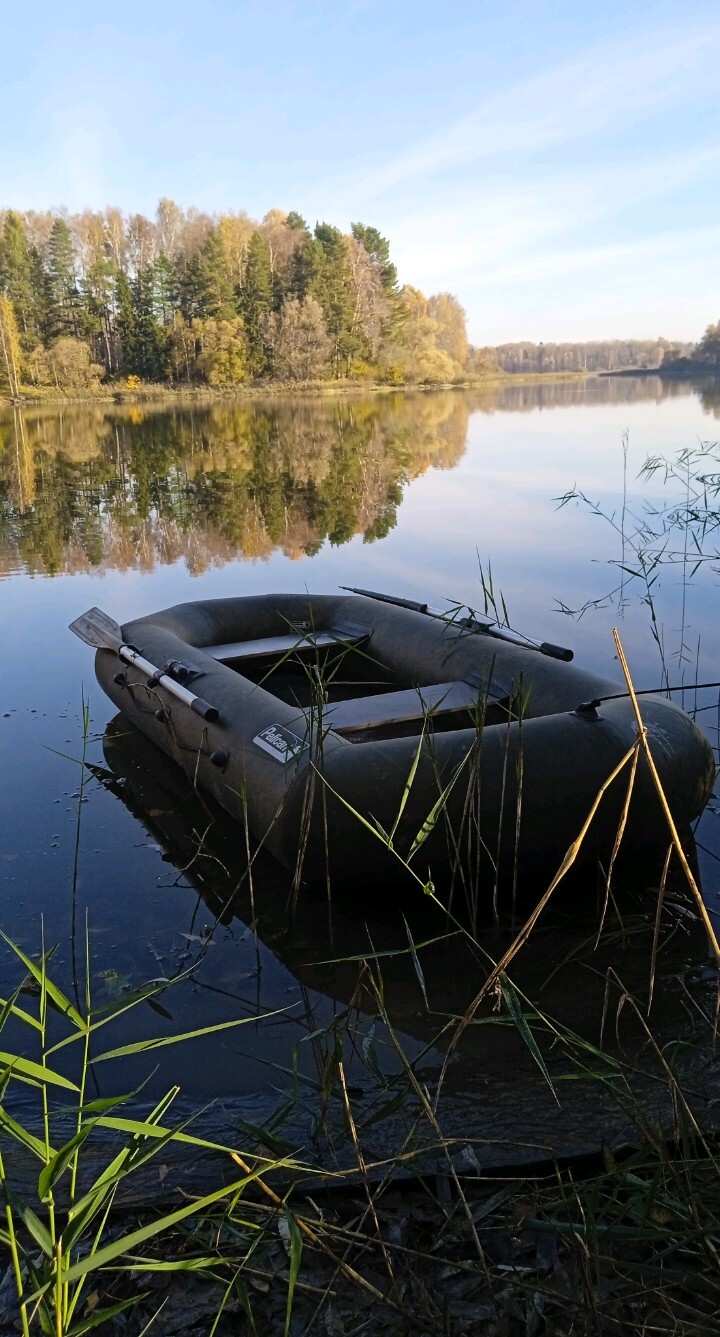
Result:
[592,357]
[191,298]
[186,298]
[670,358]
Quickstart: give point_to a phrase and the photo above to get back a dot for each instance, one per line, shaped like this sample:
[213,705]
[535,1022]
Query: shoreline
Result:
[281,390]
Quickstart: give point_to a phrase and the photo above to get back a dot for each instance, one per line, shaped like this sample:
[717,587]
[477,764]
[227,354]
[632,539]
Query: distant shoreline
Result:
[282,390]
[682,370]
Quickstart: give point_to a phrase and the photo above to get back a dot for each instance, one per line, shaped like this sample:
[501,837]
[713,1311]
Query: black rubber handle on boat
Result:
[556,651]
[204,708]
[412,604]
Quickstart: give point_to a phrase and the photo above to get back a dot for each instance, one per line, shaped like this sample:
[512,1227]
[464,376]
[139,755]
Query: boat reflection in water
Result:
[426,972]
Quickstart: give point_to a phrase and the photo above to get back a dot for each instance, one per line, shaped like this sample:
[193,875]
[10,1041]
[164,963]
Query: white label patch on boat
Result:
[279,742]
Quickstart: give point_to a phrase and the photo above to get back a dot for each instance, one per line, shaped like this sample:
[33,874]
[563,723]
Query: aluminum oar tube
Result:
[171,685]
[523,786]
[96,628]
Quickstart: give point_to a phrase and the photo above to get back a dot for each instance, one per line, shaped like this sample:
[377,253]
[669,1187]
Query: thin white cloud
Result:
[536,247]
[499,223]
[664,285]
[684,243]
[606,86]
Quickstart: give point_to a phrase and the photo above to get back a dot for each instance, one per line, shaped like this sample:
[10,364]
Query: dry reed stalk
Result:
[618,839]
[643,740]
[530,923]
[656,929]
[319,1242]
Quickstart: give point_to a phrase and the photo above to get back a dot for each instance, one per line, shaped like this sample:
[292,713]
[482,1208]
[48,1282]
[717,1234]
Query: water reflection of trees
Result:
[134,487]
[524,398]
[93,486]
[709,392]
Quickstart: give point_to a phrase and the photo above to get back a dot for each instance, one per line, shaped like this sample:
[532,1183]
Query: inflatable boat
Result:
[352,734]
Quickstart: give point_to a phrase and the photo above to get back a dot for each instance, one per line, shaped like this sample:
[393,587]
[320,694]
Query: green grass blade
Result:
[514,1007]
[32,1223]
[22,1135]
[87,1206]
[198,1264]
[125,1245]
[87,1209]
[56,1167]
[364,822]
[25,1070]
[295,1247]
[430,822]
[141,1128]
[39,974]
[110,1011]
[103,1315]
[162,1041]
[409,782]
[10,1007]
[101,1105]
[416,963]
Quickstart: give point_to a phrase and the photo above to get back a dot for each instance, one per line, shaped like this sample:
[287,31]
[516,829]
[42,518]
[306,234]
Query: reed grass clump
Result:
[67,1165]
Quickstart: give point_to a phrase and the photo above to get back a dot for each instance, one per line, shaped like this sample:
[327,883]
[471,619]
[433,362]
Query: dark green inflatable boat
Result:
[307,718]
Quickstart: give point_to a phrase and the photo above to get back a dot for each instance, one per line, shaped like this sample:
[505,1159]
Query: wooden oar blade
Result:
[97,629]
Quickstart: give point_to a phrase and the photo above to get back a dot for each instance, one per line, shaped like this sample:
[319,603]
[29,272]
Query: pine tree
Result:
[64,307]
[125,324]
[98,292]
[305,259]
[256,302]
[379,248]
[165,284]
[331,286]
[296,222]
[18,272]
[207,287]
[150,340]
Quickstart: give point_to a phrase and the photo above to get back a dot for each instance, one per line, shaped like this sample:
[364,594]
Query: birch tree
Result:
[9,347]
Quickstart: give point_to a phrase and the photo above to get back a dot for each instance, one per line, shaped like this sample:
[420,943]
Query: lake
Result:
[421,495]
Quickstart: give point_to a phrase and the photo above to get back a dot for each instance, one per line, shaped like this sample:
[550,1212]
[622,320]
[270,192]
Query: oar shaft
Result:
[196,703]
[488,628]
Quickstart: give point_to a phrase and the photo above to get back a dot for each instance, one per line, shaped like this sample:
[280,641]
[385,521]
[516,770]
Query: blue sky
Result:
[554,164]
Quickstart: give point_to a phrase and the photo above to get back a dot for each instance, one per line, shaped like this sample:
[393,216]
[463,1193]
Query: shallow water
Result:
[137,508]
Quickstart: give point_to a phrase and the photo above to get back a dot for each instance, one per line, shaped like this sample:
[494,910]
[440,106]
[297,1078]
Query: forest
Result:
[101,300]
[189,298]
[673,359]
[595,356]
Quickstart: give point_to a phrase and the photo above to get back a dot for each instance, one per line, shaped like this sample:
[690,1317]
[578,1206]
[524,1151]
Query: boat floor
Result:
[337,685]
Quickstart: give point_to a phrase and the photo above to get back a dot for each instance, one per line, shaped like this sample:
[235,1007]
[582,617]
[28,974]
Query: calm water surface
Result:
[135,508]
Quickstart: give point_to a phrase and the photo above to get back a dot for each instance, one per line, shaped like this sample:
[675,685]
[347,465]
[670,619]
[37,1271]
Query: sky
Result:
[553,163]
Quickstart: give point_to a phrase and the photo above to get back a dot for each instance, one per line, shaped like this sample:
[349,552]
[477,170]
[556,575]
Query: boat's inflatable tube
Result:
[518,780]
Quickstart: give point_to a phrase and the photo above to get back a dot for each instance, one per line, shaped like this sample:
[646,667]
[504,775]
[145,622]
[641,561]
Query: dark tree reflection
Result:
[135,487]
